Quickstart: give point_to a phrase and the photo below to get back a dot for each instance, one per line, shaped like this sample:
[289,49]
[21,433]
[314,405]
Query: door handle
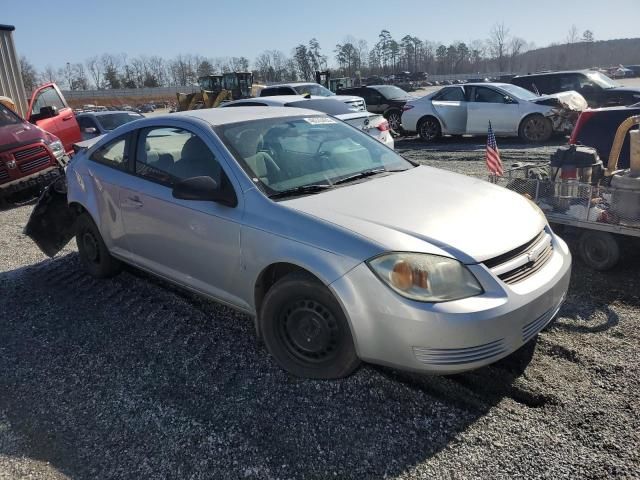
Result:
[64,119]
[133,202]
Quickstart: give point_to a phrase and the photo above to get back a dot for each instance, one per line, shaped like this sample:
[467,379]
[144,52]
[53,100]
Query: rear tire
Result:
[429,129]
[394,117]
[305,329]
[599,250]
[94,254]
[535,129]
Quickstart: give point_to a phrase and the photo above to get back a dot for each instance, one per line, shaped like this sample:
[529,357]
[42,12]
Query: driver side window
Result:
[487,95]
[167,155]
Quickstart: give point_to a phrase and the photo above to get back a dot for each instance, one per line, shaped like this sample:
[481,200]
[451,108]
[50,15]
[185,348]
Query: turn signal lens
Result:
[402,275]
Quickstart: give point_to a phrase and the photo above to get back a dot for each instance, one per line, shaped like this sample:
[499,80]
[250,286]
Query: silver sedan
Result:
[340,249]
[512,110]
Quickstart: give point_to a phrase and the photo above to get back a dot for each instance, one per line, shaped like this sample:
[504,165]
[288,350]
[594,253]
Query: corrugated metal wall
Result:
[10,77]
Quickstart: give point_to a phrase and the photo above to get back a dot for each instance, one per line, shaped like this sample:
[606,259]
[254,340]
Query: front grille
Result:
[459,356]
[4,175]
[521,263]
[29,152]
[34,164]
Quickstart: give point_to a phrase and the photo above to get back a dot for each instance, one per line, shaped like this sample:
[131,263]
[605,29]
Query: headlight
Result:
[57,148]
[424,277]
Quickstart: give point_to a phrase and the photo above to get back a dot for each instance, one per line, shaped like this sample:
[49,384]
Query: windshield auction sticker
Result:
[319,120]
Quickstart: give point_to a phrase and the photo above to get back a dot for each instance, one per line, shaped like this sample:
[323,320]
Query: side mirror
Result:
[508,99]
[204,189]
[90,130]
[48,112]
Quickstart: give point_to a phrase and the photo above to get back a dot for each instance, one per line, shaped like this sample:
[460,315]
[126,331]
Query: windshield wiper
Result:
[301,190]
[365,174]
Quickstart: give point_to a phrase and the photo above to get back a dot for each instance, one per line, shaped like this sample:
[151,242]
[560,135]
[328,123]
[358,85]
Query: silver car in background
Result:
[513,111]
[371,123]
[340,249]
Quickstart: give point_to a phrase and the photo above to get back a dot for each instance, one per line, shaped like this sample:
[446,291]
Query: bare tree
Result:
[50,74]
[573,36]
[95,70]
[516,47]
[29,74]
[498,38]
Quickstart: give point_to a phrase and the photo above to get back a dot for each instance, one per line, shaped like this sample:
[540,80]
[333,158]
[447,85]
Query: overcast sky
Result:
[70,30]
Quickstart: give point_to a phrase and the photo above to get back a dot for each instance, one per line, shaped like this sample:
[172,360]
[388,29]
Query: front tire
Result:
[429,129]
[306,331]
[94,255]
[535,129]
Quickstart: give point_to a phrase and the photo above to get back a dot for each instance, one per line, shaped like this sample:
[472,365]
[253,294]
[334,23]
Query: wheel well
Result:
[77,208]
[270,276]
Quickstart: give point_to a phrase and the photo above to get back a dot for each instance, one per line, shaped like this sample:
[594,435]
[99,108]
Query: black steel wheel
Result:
[305,329]
[535,129]
[94,254]
[599,250]
[429,129]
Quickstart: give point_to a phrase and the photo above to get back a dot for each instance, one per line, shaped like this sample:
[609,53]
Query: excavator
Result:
[216,89]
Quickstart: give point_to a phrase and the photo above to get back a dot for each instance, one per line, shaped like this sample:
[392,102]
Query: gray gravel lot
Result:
[134,378]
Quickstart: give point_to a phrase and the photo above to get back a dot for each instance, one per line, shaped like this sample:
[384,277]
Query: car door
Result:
[450,104]
[109,168]
[376,103]
[194,243]
[490,104]
[49,110]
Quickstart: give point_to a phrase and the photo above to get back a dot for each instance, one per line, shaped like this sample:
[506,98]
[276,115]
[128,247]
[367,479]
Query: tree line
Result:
[500,51]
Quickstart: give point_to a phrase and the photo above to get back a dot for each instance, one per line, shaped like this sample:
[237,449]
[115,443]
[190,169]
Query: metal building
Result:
[10,77]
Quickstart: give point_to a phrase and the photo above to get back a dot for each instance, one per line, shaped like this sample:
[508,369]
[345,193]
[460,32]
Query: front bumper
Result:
[456,336]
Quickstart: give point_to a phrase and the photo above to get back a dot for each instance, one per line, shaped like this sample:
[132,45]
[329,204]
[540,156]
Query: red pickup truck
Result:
[33,152]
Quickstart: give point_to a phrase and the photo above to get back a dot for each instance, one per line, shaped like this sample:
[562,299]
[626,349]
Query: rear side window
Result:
[268,92]
[86,122]
[114,154]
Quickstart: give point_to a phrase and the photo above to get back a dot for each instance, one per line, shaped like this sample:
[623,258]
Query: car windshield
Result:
[601,80]
[313,89]
[393,93]
[332,107]
[519,92]
[7,117]
[114,120]
[296,152]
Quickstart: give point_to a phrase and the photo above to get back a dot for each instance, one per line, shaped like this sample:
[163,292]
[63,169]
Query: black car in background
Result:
[598,89]
[387,100]
[597,129]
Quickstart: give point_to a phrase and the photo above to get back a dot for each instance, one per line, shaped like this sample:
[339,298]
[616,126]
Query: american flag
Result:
[494,164]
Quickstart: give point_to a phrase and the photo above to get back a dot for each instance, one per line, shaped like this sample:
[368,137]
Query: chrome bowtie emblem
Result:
[12,164]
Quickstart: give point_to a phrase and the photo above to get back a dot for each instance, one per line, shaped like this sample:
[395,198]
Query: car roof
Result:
[294,84]
[555,73]
[223,116]
[103,113]
[276,99]
[481,84]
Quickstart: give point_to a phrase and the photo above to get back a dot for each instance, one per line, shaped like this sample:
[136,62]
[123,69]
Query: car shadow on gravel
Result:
[133,378]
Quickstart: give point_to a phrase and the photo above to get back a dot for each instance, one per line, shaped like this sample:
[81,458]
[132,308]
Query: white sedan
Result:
[371,123]
[512,110]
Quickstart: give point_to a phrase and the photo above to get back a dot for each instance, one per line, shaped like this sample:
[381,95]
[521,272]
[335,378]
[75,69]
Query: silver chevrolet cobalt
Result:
[342,250]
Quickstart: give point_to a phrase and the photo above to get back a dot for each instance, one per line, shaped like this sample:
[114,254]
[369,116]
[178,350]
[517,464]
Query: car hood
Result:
[12,136]
[571,100]
[425,207]
[346,98]
[624,90]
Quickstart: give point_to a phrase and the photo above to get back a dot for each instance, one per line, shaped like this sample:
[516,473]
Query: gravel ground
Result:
[134,378]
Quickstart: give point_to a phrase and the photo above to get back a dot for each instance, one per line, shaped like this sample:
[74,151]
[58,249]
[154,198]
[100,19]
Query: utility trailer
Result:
[604,211]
